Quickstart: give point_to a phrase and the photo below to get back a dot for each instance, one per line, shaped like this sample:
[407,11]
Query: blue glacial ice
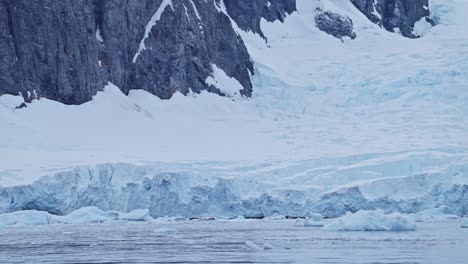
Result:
[84,215]
[372,221]
[197,193]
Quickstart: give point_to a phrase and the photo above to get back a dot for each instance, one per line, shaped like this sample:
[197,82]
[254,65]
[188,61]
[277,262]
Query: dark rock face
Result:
[395,14]
[248,13]
[48,49]
[68,50]
[335,25]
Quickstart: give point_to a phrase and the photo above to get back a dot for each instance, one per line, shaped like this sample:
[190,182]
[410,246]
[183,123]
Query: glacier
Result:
[197,191]
[378,122]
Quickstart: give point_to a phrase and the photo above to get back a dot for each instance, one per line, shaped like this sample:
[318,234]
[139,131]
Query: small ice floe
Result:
[267,246]
[371,221]
[434,214]
[165,231]
[314,220]
[464,223]
[299,222]
[136,215]
[252,245]
[87,215]
[276,217]
[29,217]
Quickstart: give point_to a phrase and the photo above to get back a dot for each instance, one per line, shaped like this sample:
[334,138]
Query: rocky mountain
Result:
[68,50]
[395,15]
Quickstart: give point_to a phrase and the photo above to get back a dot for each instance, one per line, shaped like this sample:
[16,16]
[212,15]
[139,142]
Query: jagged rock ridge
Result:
[67,50]
[395,14]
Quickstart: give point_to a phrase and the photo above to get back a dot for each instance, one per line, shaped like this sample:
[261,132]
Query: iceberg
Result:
[28,217]
[433,215]
[136,215]
[85,215]
[312,220]
[195,191]
[372,221]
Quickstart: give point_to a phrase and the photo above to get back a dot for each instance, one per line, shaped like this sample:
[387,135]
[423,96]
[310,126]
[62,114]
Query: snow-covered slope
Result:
[381,112]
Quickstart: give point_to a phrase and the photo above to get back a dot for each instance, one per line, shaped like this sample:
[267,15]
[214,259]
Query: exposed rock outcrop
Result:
[395,15]
[335,25]
[248,13]
[67,50]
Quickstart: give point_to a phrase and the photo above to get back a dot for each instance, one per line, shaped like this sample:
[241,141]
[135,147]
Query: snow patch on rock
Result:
[227,85]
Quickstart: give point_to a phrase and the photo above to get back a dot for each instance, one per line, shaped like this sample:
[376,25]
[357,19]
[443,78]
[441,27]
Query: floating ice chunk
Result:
[299,222]
[464,223]
[372,221]
[25,218]
[136,215]
[88,215]
[315,217]
[267,246]
[80,216]
[314,220]
[252,245]
[433,215]
[276,217]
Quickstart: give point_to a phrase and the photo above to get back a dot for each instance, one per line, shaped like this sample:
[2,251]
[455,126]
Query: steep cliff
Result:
[68,50]
[395,15]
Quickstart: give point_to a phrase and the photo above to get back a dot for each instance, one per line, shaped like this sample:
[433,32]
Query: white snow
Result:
[375,12]
[154,19]
[195,9]
[421,27]
[227,85]
[99,36]
[371,221]
[10,102]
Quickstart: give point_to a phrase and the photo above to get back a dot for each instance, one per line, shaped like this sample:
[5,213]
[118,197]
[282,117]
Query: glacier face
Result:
[195,191]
